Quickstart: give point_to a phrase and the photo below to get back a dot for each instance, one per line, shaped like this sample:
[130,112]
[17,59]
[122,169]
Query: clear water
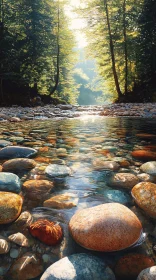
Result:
[85,140]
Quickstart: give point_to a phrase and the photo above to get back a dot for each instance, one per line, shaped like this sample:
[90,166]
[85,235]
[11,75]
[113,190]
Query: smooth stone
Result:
[144,177]
[18,164]
[22,223]
[148,274]
[11,152]
[9,182]
[4,143]
[118,196]
[144,196]
[4,245]
[26,267]
[46,258]
[149,167]
[129,266]
[100,164]
[92,228]
[144,155]
[62,201]
[14,253]
[37,189]
[56,170]
[20,239]
[123,180]
[16,139]
[10,207]
[78,267]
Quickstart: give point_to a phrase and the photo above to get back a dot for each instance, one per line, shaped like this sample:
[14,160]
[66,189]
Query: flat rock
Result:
[4,245]
[9,182]
[144,196]
[107,227]
[62,201]
[28,266]
[78,267]
[149,167]
[100,164]
[11,152]
[20,239]
[56,170]
[148,274]
[10,207]
[18,164]
[37,189]
[123,180]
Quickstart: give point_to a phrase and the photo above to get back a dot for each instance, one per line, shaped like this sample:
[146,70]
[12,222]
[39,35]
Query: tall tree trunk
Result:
[112,52]
[125,46]
[58,53]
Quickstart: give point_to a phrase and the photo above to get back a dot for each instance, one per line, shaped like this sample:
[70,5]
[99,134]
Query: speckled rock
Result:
[149,167]
[100,164]
[11,152]
[37,189]
[144,155]
[4,245]
[10,207]
[123,180]
[56,170]
[92,227]
[129,266]
[15,165]
[28,266]
[144,195]
[19,239]
[78,267]
[62,201]
[9,182]
[148,274]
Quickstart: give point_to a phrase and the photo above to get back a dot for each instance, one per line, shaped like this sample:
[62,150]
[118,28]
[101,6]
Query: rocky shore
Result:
[16,113]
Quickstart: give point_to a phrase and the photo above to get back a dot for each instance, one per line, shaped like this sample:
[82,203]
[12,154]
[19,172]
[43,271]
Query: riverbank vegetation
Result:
[38,51]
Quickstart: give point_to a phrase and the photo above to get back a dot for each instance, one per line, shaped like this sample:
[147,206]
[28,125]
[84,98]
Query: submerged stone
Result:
[118,196]
[56,170]
[123,180]
[62,201]
[100,164]
[78,267]
[37,189]
[9,182]
[19,164]
[144,155]
[149,167]
[11,152]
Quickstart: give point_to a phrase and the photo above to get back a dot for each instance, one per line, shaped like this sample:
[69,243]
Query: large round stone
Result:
[11,152]
[56,170]
[144,155]
[107,227]
[18,164]
[149,167]
[10,207]
[123,180]
[78,267]
[9,182]
[148,274]
[144,195]
[37,189]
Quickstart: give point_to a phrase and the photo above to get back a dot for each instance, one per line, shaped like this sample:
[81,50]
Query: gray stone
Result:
[148,274]
[4,143]
[14,253]
[56,170]
[9,182]
[118,196]
[16,152]
[149,167]
[79,267]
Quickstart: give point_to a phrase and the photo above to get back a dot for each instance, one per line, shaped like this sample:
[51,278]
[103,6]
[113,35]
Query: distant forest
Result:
[39,59]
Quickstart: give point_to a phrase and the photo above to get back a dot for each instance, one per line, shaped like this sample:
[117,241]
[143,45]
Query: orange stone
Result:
[44,149]
[46,231]
[144,155]
[144,195]
[37,189]
[43,159]
[108,227]
[129,266]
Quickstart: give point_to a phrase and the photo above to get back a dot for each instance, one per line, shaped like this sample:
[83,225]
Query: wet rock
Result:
[10,207]
[148,274]
[4,143]
[144,155]
[56,170]
[144,177]
[99,164]
[19,239]
[118,196]
[4,245]
[61,152]
[144,196]
[129,266]
[46,231]
[123,180]
[15,165]
[37,189]
[11,152]
[23,221]
[149,167]
[16,139]
[78,267]
[15,119]
[9,182]
[14,253]
[62,201]
[28,266]
[92,228]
